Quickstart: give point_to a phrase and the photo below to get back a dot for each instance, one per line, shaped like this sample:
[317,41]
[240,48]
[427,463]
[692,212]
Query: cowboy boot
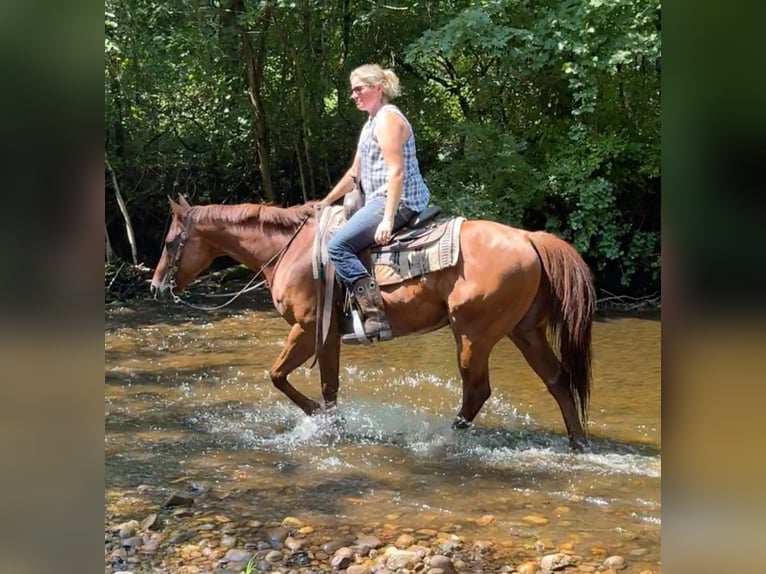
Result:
[370,301]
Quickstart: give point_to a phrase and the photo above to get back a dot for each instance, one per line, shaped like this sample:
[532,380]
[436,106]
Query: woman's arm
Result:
[345,184]
[392,133]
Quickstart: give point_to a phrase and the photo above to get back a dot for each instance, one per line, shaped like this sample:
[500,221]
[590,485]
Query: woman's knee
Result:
[336,248]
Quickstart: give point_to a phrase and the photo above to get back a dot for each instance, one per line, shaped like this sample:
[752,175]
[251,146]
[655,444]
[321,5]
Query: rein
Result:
[278,256]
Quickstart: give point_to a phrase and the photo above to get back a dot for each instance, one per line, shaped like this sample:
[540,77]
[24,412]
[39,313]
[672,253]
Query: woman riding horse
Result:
[387,167]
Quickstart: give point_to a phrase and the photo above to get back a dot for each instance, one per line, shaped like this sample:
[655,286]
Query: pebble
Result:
[291,522]
[485,520]
[536,520]
[616,563]
[442,563]
[401,559]
[528,567]
[277,534]
[293,544]
[551,562]
[128,529]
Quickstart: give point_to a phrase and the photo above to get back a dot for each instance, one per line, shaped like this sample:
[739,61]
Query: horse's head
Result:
[184,256]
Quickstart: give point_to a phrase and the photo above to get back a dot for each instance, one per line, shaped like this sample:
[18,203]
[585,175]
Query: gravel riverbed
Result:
[192,530]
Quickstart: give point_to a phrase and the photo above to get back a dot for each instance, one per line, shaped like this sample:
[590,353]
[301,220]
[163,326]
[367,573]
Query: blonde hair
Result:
[374,75]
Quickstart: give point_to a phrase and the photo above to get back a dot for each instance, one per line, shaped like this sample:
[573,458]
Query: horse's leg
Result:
[297,350]
[537,351]
[473,361]
[329,365]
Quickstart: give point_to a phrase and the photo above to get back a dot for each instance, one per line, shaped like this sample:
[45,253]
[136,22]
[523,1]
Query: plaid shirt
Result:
[374,176]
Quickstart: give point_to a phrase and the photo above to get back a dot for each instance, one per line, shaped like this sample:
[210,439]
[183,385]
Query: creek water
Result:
[188,395]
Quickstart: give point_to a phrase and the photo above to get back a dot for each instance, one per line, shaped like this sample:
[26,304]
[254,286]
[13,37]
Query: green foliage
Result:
[536,113]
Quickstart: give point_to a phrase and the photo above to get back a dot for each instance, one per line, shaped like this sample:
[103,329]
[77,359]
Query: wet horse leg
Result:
[534,345]
[329,365]
[473,362]
[296,351]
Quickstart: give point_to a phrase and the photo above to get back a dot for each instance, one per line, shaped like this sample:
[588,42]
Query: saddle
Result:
[425,243]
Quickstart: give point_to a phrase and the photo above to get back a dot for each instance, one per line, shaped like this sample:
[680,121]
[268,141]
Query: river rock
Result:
[616,563]
[292,522]
[150,547]
[293,544]
[128,529]
[404,541]
[237,555]
[150,522]
[178,500]
[333,545]
[402,559]
[442,563]
[536,519]
[639,552]
[182,536]
[528,567]
[557,561]
[273,556]
[342,558]
[133,542]
[277,534]
[482,545]
[485,520]
[358,569]
[369,540]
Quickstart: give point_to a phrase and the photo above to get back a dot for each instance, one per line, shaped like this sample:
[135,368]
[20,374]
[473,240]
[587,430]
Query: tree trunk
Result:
[300,169]
[254,66]
[300,80]
[125,214]
[109,250]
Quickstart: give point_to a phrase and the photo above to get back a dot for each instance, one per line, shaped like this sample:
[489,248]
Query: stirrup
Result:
[358,337]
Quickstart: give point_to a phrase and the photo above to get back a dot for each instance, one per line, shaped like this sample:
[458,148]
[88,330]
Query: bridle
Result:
[183,238]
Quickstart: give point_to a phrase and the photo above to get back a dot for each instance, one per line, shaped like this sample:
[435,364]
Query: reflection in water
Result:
[190,396]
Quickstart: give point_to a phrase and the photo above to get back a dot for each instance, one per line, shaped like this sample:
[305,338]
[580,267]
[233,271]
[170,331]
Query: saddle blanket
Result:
[394,265]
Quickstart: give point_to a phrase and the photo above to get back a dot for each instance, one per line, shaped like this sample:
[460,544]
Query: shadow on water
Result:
[147,311]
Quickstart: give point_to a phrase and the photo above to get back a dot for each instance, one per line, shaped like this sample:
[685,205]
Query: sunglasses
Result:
[356,90]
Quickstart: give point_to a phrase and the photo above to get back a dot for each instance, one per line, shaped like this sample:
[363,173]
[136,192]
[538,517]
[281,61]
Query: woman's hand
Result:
[383,232]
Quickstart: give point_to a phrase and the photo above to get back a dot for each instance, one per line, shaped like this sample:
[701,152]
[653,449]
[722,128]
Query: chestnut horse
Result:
[526,286]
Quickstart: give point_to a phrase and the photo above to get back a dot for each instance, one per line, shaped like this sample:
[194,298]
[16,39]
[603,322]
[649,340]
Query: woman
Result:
[386,166]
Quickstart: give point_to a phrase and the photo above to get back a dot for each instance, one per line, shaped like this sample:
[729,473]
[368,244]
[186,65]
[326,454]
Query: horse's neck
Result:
[248,240]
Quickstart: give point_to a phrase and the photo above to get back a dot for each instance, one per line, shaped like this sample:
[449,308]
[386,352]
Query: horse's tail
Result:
[570,318]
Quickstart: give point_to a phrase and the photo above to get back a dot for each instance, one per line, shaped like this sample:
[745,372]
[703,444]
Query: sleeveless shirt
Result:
[374,172]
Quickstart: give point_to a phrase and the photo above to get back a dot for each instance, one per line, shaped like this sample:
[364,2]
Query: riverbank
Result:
[190,528]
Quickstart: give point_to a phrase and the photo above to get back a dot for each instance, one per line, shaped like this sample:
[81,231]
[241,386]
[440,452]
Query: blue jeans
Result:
[358,233]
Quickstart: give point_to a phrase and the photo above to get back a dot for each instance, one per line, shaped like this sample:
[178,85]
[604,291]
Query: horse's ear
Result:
[182,200]
[178,210]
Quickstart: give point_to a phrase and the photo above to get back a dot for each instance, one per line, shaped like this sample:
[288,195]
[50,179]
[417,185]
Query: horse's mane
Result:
[271,217]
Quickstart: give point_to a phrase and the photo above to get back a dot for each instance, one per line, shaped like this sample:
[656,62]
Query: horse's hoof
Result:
[461,423]
[579,446]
